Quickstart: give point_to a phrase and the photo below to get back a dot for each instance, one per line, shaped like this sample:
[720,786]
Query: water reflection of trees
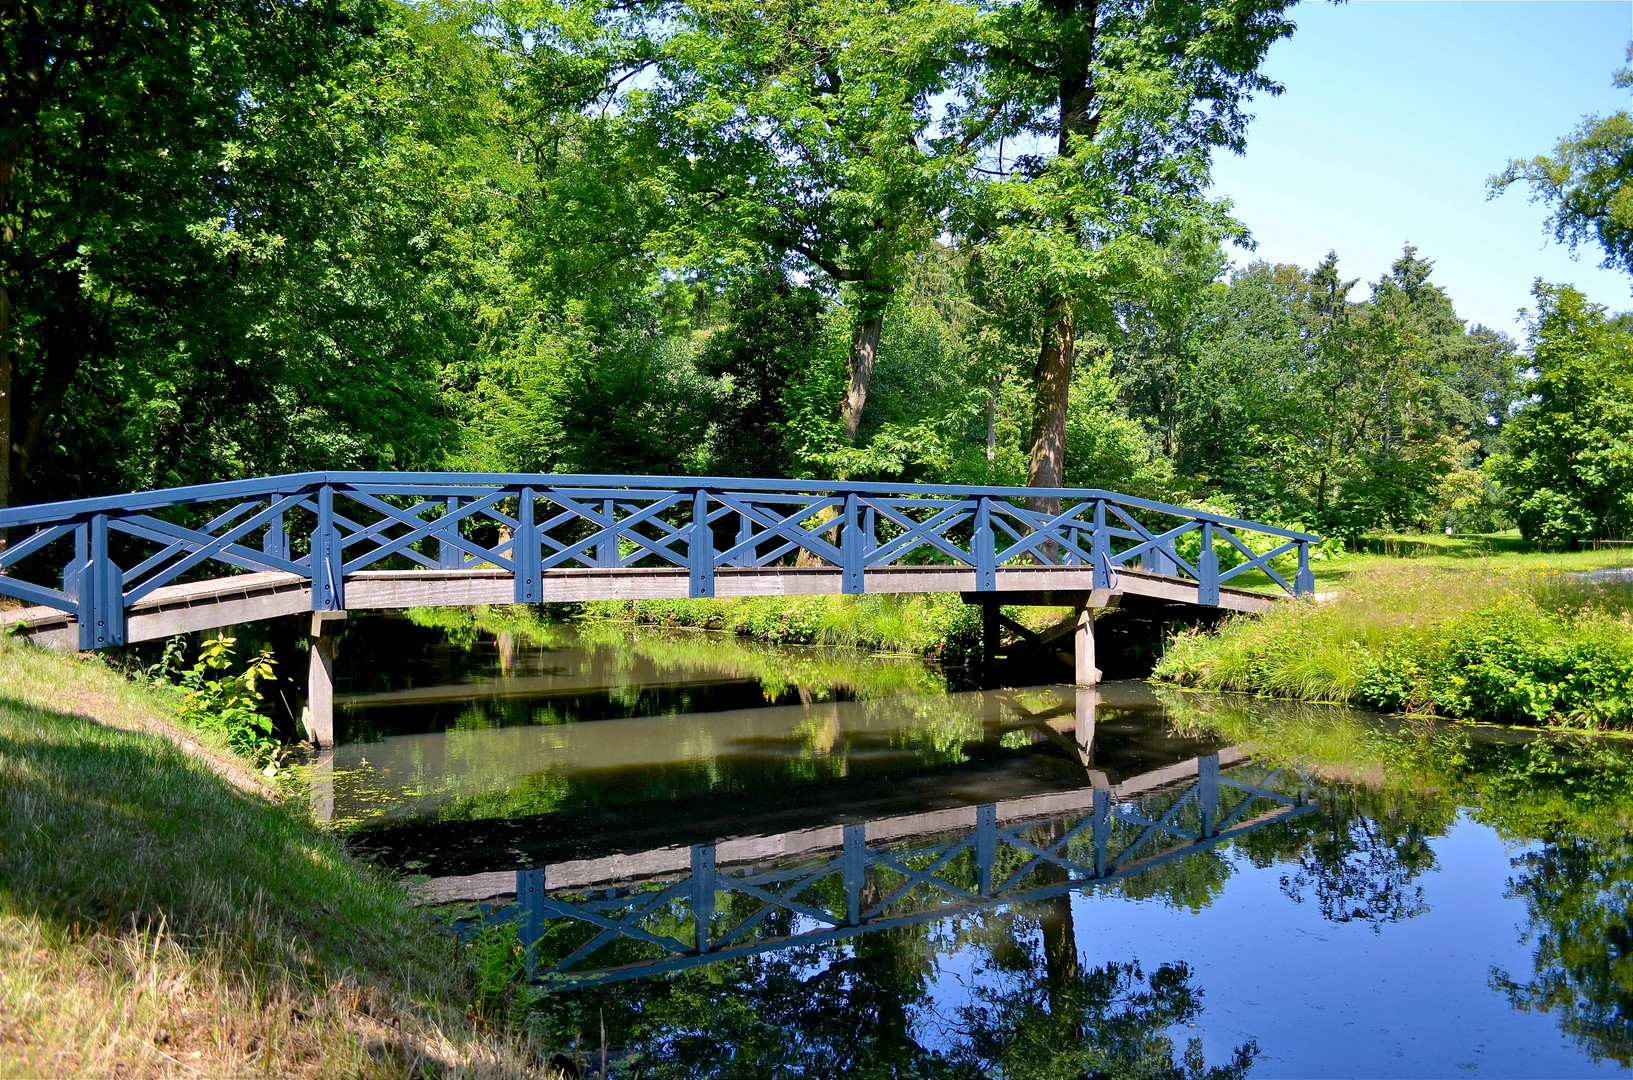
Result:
[1567,798]
[867,1009]
[1578,896]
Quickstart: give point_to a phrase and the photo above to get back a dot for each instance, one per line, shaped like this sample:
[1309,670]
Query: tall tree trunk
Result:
[1052,380]
[859,371]
[1053,375]
[5,403]
[992,419]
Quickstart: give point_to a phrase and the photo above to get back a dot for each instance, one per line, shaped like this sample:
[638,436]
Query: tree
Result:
[810,129]
[773,328]
[1588,182]
[202,273]
[1569,469]
[1133,96]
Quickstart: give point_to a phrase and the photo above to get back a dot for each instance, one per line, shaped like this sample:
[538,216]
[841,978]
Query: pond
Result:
[722,858]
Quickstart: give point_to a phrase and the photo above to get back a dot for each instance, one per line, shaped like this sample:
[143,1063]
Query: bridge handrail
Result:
[565,519]
[157,498]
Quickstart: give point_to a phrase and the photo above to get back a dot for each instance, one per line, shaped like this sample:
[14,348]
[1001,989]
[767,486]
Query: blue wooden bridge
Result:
[93,573]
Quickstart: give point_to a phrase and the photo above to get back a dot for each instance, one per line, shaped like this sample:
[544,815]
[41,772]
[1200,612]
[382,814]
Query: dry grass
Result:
[161,915]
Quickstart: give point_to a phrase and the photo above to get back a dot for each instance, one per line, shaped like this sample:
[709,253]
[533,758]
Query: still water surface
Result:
[744,860]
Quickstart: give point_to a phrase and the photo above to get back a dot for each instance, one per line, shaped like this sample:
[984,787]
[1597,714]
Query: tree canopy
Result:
[925,240]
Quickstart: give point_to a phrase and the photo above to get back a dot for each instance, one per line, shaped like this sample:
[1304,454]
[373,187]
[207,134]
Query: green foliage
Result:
[1469,645]
[228,705]
[1569,470]
[1588,182]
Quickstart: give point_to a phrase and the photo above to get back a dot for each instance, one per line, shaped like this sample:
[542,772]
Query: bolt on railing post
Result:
[526,559]
[983,547]
[606,548]
[700,548]
[1304,583]
[328,566]
[72,572]
[101,593]
[851,550]
[449,557]
[1207,568]
[1100,547]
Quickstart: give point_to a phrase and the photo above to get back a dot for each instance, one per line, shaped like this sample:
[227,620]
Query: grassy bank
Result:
[1484,639]
[163,913]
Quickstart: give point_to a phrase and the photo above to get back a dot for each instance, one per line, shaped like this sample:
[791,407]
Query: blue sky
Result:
[1394,116]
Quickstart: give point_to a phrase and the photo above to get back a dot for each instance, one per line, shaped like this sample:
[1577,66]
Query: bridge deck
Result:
[208,605]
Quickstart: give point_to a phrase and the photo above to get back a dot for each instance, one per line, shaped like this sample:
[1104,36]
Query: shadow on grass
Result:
[113,836]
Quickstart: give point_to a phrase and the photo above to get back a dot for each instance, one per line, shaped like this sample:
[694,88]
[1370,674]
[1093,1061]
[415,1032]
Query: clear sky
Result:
[1394,116]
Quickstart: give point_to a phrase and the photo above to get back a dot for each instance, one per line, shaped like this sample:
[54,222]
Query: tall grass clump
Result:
[1481,643]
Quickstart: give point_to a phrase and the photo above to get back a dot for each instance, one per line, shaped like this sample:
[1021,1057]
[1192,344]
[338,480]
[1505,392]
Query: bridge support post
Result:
[1087,674]
[319,715]
[991,630]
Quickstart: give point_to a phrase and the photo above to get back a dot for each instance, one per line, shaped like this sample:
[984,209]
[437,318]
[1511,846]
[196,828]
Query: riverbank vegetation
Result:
[165,911]
[1480,641]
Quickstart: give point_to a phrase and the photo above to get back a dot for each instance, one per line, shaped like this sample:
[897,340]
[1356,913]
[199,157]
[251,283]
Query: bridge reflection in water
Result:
[629,916]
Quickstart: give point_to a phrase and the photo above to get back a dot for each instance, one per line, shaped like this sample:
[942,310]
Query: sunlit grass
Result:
[1396,616]
[162,914]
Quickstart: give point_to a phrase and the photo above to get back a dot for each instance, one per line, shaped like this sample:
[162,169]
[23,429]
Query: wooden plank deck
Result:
[209,605]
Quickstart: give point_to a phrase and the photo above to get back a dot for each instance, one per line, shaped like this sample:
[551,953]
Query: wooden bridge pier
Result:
[318,718]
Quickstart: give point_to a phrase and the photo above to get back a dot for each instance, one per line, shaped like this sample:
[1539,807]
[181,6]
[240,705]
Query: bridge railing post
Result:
[984,548]
[854,866]
[328,564]
[76,567]
[606,548]
[986,846]
[1304,583]
[1207,791]
[1102,829]
[1100,547]
[526,553]
[700,548]
[1207,566]
[101,593]
[530,916]
[703,859]
[276,541]
[450,557]
[852,550]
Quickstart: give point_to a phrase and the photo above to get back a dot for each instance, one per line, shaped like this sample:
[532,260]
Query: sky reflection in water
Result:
[1448,902]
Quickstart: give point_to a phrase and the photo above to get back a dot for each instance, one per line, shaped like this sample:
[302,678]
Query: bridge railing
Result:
[94,558]
[624,930]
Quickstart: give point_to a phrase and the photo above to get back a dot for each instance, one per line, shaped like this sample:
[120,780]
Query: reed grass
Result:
[165,912]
